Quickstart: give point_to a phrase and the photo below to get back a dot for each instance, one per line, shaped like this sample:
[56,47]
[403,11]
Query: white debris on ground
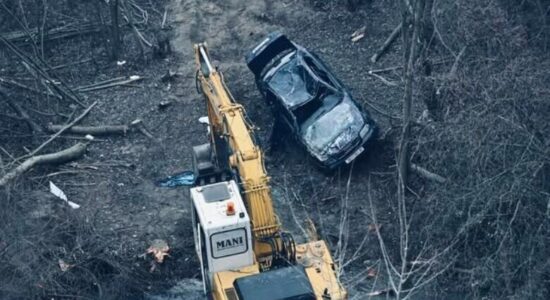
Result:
[61,195]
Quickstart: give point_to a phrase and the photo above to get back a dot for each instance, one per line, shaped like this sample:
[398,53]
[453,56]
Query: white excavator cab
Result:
[223,239]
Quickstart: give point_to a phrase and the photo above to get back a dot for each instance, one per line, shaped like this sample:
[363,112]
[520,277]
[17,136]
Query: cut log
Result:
[387,43]
[63,156]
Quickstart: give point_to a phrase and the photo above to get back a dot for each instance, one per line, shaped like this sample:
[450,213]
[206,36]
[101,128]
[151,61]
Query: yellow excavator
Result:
[243,251]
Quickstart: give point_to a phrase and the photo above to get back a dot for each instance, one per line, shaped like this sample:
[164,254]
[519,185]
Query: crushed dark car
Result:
[310,101]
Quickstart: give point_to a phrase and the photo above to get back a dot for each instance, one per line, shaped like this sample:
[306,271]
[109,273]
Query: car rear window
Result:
[293,83]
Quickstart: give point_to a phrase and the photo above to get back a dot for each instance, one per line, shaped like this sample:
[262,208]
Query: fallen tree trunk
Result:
[93,130]
[387,43]
[63,156]
[53,137]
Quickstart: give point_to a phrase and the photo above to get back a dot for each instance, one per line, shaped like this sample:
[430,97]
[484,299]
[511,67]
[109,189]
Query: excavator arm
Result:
[235,154]
[234,148]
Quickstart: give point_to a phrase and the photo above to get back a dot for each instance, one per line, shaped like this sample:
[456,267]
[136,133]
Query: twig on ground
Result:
[64,172]
[385,69]
[103,82]
[358,34]
[53,137]
[93,130]
[2,170]
[7,153]
[384,80]
[164,19]
[452,72]
[140,36]
[28,88]
[78,138]
[138,124]
[394,68]
[427,174]
[70,64]
[108,83]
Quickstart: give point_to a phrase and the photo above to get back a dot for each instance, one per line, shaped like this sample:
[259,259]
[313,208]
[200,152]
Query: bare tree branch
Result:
[394,34]
[69,154]
[66,127]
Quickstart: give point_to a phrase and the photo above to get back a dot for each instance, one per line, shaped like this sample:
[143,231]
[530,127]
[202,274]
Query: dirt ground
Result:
[114,183]
[482,78]
[231,28]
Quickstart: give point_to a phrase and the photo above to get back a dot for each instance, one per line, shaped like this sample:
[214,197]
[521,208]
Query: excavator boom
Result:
[233,153]
[229,128]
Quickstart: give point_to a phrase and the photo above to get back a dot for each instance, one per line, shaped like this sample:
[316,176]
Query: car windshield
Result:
[344,120]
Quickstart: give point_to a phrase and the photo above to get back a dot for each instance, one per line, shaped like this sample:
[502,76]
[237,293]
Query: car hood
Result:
[333,131]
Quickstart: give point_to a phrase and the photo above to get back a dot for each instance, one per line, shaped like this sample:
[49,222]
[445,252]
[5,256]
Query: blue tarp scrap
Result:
[185,178]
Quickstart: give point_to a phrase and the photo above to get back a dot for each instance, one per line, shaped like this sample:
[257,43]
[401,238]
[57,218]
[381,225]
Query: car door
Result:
[284,117]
